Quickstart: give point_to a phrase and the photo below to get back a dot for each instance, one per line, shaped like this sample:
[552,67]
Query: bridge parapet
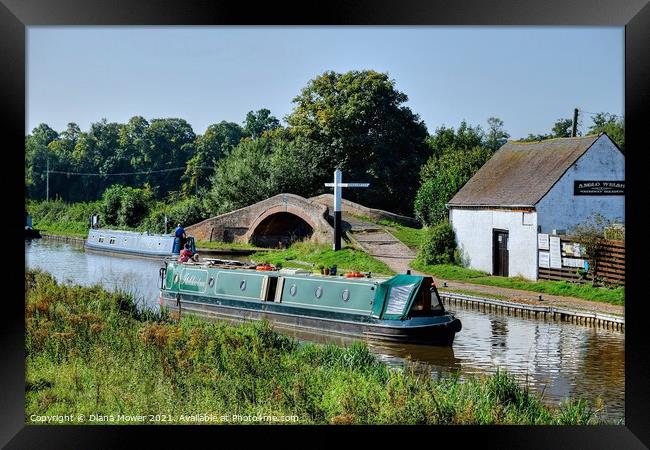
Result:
[243,224]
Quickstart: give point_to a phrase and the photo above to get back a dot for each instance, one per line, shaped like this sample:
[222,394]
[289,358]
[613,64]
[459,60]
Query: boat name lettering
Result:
[192,280]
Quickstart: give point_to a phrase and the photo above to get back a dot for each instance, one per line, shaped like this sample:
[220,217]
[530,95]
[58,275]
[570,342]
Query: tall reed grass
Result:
[92,352]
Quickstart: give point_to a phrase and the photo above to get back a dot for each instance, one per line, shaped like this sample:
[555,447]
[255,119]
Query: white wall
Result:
[473,230]
[561,210]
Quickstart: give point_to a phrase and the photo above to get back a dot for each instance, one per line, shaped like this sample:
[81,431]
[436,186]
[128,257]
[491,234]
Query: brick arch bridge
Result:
[283,218]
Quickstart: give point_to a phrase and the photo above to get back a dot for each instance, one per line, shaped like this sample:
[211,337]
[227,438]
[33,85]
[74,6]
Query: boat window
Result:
[273,284]
[211,281]
[101,239]
[319,292]
[398,298]
[293,289]
[112,241]
[345,295]
[242,285]
[436,304]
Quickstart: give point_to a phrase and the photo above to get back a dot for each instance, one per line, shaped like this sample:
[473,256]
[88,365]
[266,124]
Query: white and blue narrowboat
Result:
[132,243]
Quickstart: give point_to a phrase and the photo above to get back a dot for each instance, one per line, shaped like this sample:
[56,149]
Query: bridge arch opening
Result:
[280,229]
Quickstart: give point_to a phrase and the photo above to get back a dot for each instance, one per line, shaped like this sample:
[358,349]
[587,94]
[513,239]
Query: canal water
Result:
[557,360]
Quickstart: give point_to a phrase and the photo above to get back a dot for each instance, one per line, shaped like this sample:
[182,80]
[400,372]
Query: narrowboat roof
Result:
[128,233]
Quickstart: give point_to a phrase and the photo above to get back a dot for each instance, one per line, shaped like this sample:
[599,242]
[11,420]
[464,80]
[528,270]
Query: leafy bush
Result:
[187,212]
[125,206]
[59,217]
[438,245]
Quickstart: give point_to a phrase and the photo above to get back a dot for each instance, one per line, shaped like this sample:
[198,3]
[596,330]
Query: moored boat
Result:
[132,243]
[404,308]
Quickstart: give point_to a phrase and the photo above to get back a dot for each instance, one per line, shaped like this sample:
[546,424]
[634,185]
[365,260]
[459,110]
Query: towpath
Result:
[381,244]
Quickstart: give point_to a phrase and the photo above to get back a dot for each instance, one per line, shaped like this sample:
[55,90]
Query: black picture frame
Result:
[16,15]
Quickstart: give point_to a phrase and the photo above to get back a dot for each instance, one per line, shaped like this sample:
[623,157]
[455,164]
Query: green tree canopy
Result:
[611,124]
[561,128]
[447,139]
[243,177]
[217,141]
[442,177]
[37,155]
[260,121]
[496,136]
[357,122]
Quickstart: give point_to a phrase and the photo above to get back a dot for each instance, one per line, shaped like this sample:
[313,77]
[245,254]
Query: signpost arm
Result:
[338,184]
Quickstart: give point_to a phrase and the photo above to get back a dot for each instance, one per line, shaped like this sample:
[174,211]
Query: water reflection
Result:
[560,360]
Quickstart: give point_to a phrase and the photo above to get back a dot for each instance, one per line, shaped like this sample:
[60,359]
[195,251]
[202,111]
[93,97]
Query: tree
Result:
[561,128]
[170,144]
[610,124]
[216,142]
[446,139]
[357,122]
[37,155]
[242,178]
[258,122]
[442,177]
[496,136]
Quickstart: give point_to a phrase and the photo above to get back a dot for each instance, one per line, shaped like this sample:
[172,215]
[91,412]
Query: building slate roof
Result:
[519,174]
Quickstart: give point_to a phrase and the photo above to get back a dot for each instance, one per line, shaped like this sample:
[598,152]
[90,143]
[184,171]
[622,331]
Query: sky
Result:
[527,76]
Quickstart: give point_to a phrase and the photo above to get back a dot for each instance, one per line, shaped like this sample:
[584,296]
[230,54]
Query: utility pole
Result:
[47,176]
[575,122]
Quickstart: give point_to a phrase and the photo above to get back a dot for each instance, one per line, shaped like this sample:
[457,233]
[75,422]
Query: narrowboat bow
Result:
[404,308]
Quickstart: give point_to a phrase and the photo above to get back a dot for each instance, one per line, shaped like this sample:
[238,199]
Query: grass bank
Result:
[322,254]
[615,296]
[91,352]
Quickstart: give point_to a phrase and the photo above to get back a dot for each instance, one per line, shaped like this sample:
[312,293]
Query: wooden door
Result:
[500,252]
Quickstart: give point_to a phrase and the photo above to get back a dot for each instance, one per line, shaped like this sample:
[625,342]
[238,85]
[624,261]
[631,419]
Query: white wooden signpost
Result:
[338,185]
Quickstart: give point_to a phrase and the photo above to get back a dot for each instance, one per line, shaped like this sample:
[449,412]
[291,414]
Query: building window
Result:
[527,219]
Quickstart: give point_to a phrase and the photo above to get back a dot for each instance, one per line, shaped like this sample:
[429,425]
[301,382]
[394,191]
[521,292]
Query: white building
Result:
[529,188]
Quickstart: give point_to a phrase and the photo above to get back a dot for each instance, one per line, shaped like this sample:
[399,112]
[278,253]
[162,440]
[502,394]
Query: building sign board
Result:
[544,260]
[602,187]
[555,253]
[542,241]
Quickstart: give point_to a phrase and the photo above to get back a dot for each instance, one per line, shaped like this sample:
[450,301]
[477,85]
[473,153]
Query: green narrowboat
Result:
[404,308]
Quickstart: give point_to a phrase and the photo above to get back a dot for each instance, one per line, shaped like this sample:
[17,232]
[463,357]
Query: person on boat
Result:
[186,254]
[180,234]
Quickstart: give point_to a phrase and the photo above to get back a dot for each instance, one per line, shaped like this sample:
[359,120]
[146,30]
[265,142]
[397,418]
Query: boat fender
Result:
[354,275]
